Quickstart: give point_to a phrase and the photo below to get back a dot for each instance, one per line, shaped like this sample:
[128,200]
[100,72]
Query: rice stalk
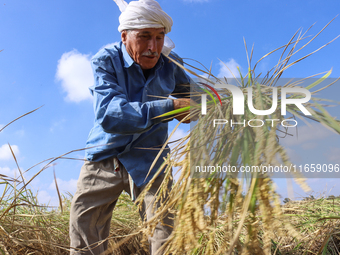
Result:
[19,117]
[228,213]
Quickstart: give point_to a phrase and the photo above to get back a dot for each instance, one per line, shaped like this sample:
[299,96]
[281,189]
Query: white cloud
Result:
[50,196]
[75,73]
[65,186]
[306,134]
[5,152]
[228,69]
[12,173]
[44,198]
[179,133]
[5,171]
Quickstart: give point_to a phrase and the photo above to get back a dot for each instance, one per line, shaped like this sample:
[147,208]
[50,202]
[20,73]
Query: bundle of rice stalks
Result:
[233,212]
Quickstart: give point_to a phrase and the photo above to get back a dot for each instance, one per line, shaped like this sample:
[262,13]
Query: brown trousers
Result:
[98,189]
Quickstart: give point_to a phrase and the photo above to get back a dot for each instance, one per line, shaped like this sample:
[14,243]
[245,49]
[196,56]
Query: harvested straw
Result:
[218,213]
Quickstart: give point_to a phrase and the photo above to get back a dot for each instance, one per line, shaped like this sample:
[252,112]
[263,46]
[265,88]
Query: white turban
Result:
[145,14]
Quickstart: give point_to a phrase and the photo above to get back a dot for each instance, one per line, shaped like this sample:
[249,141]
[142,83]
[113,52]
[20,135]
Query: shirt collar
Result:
[128,61]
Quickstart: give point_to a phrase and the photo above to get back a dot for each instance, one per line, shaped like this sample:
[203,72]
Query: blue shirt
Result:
[125,104]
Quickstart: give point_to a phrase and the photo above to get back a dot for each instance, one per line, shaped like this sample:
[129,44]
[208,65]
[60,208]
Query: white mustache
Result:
[149,53]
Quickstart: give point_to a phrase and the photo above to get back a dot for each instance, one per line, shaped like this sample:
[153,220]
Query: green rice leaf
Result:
[319,80]
[174,112]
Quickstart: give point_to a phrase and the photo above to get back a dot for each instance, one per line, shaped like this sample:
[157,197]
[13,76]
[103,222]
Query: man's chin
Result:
[148,64]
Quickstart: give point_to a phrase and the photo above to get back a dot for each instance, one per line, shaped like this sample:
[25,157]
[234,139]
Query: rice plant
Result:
[231,213]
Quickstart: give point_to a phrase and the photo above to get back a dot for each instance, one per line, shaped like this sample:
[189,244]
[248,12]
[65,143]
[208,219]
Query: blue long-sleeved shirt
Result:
[125,104]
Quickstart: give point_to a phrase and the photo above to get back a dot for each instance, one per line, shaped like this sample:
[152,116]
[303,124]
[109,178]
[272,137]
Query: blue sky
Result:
[47,46]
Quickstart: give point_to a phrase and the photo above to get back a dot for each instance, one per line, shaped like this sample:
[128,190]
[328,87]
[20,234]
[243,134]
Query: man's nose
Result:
[153,45]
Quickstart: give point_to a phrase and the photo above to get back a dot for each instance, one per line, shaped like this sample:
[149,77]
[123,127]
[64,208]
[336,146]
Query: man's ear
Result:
[124,36]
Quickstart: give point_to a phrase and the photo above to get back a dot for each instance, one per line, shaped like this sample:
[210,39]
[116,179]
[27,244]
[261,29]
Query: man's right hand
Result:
[180,103]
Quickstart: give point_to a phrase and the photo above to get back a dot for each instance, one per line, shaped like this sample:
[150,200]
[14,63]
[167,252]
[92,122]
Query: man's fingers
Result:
[181,102]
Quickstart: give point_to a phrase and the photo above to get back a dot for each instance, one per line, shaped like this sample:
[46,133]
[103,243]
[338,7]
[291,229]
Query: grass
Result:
[27,227]
[30,228]
[318,222]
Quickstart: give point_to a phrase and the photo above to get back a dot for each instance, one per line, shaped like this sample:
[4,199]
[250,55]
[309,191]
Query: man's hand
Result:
[180,103]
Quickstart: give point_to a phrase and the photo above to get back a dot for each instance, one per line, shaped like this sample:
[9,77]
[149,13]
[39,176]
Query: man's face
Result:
[144,45]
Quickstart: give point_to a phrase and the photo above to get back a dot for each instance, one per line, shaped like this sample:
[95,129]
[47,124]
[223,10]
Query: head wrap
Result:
[145,14]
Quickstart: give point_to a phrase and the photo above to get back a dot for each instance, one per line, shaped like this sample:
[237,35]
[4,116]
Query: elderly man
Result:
[133,80]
